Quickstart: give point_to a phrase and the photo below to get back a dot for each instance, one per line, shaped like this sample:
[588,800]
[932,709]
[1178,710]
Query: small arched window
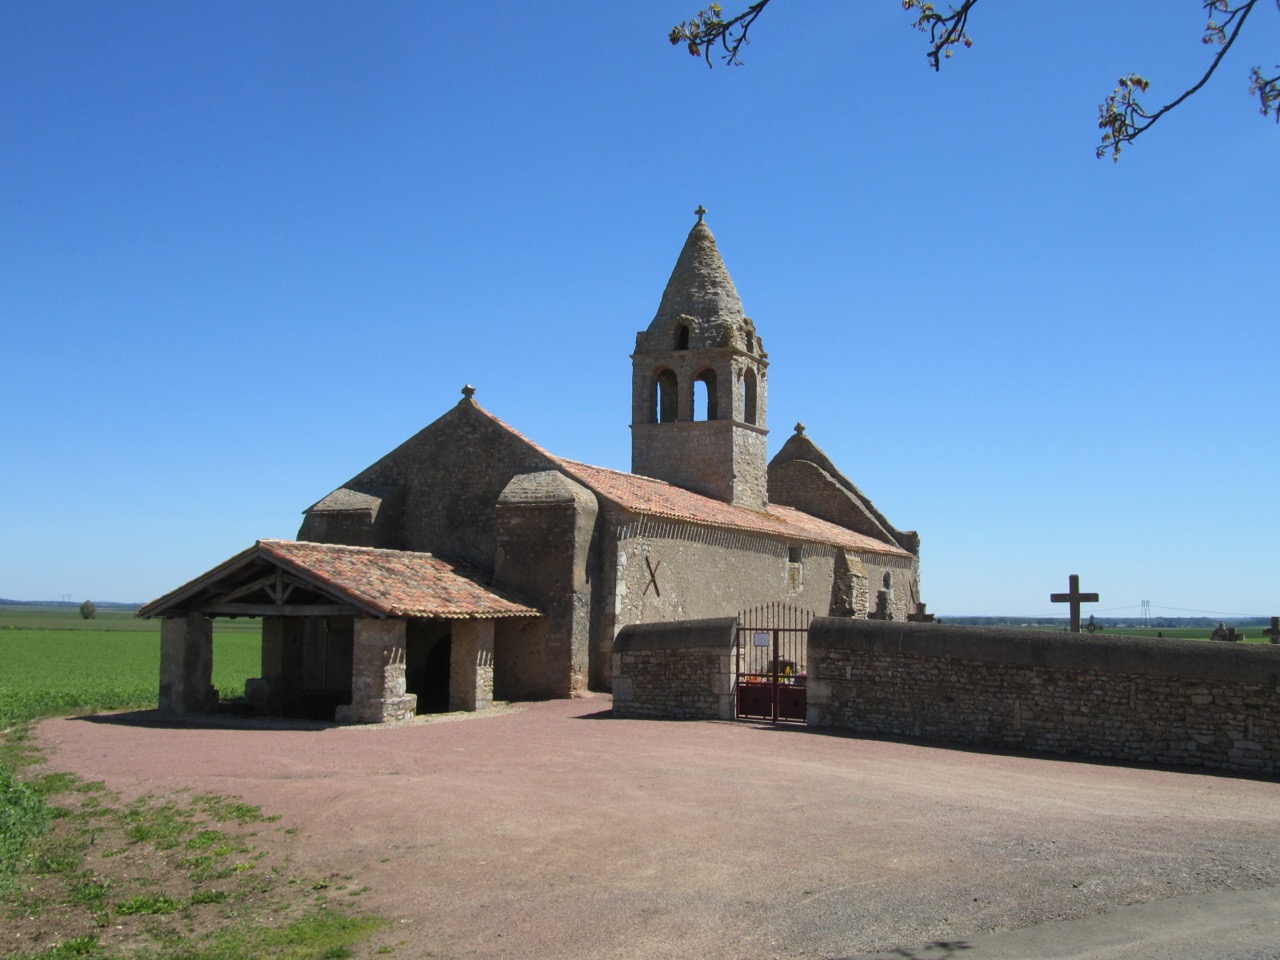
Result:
[887,580]
[682,337]
[749,397]
[664,397]
[704,396]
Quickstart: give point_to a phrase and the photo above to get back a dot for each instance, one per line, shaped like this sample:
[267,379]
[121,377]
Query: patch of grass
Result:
[52,784]
[104,863]
[23,819]
[204,839]
[209,896]
[86,946]
[164,825]
[61,855]
[326,935]
[89,890]
[147,903]
[228,808]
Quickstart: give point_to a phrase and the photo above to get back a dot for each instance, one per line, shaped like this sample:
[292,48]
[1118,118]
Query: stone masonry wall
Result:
[700,572]
[679,671]
[717,458]
[546,523]
[445,481]
[1178,702]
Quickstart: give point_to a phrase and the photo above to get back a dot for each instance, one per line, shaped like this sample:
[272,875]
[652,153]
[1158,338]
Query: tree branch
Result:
[1268,91]
[1121,117]
[1124,118]
[703,32]
[944,31]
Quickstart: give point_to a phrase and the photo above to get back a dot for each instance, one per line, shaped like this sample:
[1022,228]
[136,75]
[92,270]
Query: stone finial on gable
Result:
[800,428]
[468,392]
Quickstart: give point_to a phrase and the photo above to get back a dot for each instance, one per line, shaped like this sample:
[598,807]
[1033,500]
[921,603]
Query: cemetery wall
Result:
[677,671]
[1146,700]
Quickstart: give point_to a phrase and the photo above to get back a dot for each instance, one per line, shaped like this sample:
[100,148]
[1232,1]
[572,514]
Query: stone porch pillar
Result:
[266,693]
[471,665]
[186,665]
[377,674]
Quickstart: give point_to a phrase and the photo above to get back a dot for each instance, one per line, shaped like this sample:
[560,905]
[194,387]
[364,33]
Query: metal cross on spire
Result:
[701,212]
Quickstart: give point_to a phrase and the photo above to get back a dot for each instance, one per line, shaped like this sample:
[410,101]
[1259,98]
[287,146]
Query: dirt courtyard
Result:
[554,830]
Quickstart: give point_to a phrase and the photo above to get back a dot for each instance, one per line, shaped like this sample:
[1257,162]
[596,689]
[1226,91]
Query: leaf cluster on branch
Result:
[1121,116]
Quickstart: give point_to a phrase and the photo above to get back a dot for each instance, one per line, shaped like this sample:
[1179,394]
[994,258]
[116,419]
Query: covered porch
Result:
[352,634]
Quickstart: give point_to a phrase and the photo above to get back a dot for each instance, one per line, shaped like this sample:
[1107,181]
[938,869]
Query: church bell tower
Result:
[699,384]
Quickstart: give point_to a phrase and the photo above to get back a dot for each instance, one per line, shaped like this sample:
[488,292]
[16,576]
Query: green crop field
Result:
[55,663]
[199,858]
[1184,633]
[1249,634]
[33,617]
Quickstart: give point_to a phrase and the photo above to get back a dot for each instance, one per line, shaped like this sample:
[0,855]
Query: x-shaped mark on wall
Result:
[653,578]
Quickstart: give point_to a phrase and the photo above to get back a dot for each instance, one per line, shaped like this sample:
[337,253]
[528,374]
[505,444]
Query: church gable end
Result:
[802,476]
[807,487]
[446,480]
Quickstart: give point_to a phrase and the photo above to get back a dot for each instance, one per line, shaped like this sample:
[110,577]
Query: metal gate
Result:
[770,659]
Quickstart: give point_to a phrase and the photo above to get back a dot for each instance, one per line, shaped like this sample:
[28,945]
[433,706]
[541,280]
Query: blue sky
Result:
[246,249]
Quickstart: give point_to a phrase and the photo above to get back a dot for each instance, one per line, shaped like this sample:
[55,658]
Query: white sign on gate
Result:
[761,639]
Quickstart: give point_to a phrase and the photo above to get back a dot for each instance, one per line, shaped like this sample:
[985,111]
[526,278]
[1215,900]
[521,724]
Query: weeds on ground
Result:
[84,873]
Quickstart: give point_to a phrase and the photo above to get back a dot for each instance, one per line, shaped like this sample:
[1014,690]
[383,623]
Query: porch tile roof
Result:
[380,583]
[398,583]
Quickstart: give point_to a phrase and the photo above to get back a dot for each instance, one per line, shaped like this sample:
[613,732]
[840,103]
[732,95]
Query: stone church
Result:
[470,563]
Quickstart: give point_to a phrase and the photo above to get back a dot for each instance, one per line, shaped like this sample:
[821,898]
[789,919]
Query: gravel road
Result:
[553,830]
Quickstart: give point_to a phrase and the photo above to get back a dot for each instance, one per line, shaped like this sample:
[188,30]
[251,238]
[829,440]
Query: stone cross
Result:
[701,212]
[1074,597]
[1273,631]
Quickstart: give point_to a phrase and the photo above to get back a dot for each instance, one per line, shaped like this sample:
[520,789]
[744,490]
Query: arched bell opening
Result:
[705,405]
[750,397]
[665,403]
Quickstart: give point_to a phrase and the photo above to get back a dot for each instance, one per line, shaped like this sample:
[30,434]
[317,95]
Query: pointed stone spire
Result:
[700,286]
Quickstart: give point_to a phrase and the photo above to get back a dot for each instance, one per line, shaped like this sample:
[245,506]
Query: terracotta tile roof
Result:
[657,498]
[397,583]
